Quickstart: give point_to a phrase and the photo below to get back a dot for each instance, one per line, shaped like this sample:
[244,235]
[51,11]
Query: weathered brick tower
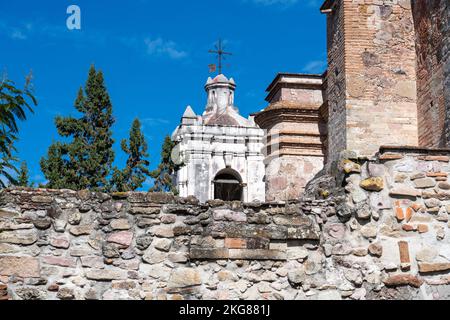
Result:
[371,78]
[432,27]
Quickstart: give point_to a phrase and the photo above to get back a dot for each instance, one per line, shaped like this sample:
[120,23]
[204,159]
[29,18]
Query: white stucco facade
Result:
[220,148]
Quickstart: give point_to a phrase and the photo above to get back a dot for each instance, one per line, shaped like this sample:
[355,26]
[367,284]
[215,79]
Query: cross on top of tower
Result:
[220,54]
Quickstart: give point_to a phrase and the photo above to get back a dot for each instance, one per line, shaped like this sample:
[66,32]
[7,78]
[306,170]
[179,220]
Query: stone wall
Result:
[384,235]
[371,76]
[431,19]
[287,175]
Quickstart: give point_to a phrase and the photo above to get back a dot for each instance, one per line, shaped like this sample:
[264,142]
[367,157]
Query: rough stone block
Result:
[209,253]
[26,267]
[424,183]
[23,237]
[106,274]
[257,254]
[183,278]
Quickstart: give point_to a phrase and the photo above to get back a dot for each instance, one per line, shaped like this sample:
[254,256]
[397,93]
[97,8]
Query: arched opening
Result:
[228,185]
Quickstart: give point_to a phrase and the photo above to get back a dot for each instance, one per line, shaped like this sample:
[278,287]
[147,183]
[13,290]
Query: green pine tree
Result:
[86,161]
[136,171]
[23,179]
[164,174]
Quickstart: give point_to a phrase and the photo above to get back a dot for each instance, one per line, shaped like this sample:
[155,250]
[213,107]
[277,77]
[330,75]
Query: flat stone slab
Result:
[26,267]
[106,275]
[433,267]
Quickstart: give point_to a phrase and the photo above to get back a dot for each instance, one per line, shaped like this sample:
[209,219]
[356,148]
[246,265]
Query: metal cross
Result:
[220,54]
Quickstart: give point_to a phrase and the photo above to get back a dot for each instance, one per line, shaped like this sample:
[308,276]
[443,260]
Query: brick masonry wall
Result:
[336,84]
[372,53]
[431,20]
[385,237]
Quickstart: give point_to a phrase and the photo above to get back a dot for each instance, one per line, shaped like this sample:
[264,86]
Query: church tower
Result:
[221,151]
[371,76]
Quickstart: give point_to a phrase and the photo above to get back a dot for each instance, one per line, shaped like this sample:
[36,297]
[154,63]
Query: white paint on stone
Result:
[220,140]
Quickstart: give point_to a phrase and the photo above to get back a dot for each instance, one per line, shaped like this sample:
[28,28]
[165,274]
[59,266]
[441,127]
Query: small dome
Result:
[220,78]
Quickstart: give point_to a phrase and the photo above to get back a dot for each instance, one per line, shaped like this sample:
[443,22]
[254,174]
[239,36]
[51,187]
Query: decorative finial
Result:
[220,55]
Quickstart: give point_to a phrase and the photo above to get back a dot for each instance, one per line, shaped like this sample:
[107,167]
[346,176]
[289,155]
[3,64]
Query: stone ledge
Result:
[414,150]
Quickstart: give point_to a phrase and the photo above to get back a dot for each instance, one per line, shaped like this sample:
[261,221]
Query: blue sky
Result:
[154,55]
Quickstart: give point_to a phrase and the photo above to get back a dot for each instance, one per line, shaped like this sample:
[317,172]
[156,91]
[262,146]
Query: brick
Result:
[433,267]
[437,174]
[399,214]
[404,252]
[390,156]
[408,214]
[435,158]
[235,243]
[408,227]
[403,280]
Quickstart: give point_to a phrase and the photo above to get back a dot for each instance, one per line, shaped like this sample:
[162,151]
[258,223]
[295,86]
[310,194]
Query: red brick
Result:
[408,227]
[404,252]
[403,280]
[235,243]
[437,174]
[399,213]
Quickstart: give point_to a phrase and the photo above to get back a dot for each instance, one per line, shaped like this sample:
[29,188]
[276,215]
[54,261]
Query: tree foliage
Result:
[14,105]
[164,175]
[136,171]
[86,161]
[23,179]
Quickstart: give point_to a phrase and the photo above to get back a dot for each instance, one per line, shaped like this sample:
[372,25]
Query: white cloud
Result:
[17,34]
[162,47]
[154,121]
[315,66]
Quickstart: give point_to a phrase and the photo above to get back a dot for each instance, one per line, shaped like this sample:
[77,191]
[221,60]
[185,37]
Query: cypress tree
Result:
[164,174]
[136,171]
[86,161]
[24,179]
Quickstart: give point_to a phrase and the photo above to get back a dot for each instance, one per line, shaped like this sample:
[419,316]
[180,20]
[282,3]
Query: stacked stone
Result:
[4,292]
[62,244]
[400,203]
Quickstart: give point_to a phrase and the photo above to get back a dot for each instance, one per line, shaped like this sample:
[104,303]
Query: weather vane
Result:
[220,56]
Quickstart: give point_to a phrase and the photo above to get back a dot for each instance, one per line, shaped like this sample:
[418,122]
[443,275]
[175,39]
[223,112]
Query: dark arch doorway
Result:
[228,185]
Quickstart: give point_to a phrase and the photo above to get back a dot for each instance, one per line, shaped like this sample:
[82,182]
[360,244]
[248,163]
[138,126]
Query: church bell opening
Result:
[227,187]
